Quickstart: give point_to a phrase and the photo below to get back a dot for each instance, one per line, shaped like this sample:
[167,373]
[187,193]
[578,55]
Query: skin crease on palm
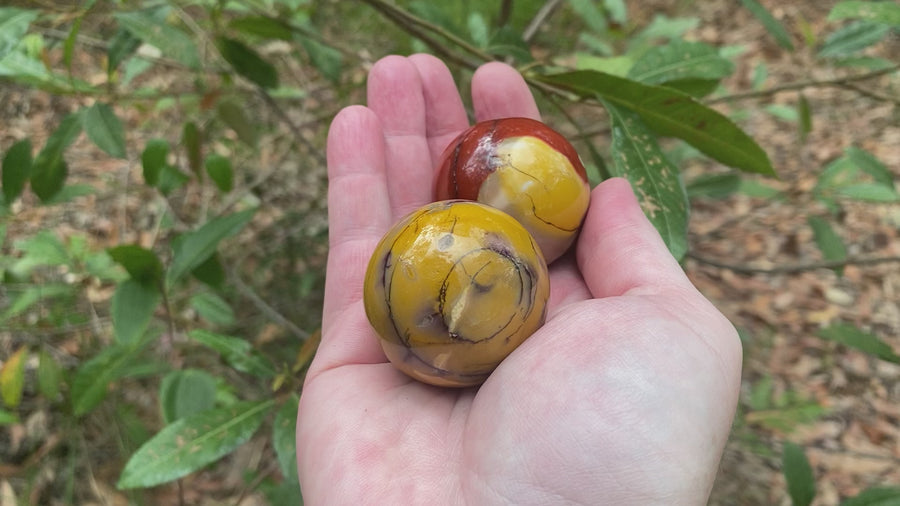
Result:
[625,396]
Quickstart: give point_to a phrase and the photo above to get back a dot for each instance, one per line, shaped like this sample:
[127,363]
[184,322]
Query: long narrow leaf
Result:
[657,183]
[852,336]
[672,113]
[772,25]
[103,127]
[799,475]
[191,443]
[193,248]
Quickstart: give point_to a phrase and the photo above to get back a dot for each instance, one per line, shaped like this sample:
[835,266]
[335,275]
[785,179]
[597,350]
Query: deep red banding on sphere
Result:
[469,159]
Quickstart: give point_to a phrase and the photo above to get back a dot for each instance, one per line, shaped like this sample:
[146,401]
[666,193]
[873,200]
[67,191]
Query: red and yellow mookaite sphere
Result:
[452,289]
[524,168]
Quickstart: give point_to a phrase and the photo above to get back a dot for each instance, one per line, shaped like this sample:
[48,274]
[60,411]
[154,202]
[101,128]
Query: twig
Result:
[881,97]
[799,85]
[542,15]
[298,135]
[423,29]
[792,268]
[264,306]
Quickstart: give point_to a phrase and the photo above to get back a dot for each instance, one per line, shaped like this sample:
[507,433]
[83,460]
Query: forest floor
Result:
[754,257]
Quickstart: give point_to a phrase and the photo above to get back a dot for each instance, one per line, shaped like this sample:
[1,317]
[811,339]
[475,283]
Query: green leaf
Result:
[657,183]
[876,496]
[284,437]
[478,29]
[213,309]
[16,169]
[153,159]
[326,59]
[801,481]
[142,264]
[14,24]
[170,179]
[673,114]
[92,379]
[122,45]
[192,140]
[805,117]
[661,27]
[850,335]
[590,14]
[7,418]
[49,171]
[69,44]
[49,375]
[714,186]
[12,378]
[190,443]
[870,165]
[617,11]
[48,182]
[42,249]
[887,12]
[133,305]
[193,248]
[852,38]
[775,29]
[219,170]
[261,26]
[680,60]
[211,272]
[236,352]
[829,243]
[185,393]
[247,62]
[869,192]
[103,127]
[154,30]
[232,114]
[31,296]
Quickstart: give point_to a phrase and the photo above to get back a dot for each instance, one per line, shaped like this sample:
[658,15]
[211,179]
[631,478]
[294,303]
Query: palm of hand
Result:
[624,396]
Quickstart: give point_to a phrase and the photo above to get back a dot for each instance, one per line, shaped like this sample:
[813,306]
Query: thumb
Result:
[619,251]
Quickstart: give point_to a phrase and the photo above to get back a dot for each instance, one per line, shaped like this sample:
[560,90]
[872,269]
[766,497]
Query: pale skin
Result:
[625,396]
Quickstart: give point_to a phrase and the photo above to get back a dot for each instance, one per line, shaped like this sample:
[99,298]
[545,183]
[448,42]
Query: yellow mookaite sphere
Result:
[538,185]
[454,288]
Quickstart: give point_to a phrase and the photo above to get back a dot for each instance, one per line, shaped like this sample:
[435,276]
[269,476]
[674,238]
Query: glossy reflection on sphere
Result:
[524,168]
[452,289]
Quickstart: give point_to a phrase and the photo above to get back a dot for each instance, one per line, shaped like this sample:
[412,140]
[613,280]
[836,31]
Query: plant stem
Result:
[423,29]
[542,15]
[799,85]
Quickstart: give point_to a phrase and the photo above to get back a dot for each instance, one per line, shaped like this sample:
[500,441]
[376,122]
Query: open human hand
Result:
[624,396]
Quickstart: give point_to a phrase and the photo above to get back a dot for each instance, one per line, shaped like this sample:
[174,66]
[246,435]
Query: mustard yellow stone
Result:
[537,185]
[452,289]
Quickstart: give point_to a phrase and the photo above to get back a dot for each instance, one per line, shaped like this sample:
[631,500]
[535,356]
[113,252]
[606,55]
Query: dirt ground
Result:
[842,406]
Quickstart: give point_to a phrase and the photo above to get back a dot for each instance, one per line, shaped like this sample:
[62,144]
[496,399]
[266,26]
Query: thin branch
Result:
[539,19]
[264,306]
[792,268]
[423,29]
[881,97]
[799,85]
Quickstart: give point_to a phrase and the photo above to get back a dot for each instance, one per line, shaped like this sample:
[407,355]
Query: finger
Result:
[395,94]
[619,251]
[445,115]
[498,91]
[355,152]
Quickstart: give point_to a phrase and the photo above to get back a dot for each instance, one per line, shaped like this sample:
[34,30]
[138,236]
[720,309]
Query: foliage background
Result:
[199,152]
